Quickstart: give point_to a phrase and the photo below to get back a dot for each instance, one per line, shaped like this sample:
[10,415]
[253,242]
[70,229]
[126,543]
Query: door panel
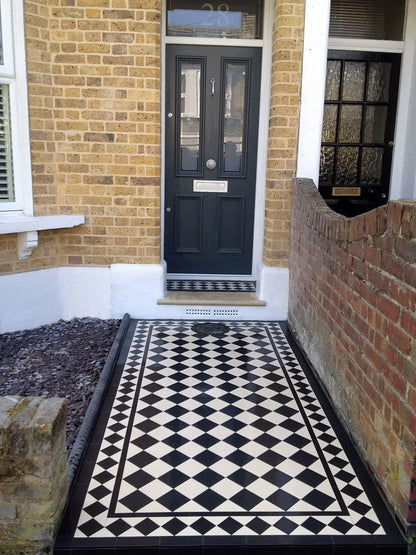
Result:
[188,230]
[211,136]
[358,129]
[230,225]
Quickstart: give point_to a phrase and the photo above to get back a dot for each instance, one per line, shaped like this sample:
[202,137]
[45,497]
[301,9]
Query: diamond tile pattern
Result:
[220,436]
[223,286]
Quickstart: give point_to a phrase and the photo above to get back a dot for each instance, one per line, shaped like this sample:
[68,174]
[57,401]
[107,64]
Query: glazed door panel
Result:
[358,128]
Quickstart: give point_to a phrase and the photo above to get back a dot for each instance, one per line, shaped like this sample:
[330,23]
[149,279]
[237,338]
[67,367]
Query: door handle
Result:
[211,164]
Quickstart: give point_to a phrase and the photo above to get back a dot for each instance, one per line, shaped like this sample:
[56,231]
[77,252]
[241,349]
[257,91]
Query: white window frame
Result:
[13,74]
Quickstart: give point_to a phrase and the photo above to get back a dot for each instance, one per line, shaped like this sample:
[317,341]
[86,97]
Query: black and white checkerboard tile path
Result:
[219,439]
[217,286]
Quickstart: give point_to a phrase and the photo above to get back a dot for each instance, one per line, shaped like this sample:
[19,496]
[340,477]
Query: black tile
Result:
[209,499]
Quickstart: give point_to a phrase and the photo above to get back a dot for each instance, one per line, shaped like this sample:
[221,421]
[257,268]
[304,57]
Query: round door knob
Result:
[168,209]
[211,164]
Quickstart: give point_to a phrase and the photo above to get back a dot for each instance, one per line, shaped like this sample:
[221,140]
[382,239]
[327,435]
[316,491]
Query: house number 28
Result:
[217,16]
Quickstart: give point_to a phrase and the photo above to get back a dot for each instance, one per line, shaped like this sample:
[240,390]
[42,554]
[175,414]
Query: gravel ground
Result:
[59,360]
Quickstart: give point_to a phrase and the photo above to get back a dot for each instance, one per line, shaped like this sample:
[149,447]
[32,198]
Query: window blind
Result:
[6,166]
[367,19]
[1,44]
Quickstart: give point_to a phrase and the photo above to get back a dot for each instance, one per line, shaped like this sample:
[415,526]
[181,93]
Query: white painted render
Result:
[315,49]
[32,299]
[84,293]
[29,299]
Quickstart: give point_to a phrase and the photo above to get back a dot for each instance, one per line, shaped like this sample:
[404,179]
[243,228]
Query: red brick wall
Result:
[352,307]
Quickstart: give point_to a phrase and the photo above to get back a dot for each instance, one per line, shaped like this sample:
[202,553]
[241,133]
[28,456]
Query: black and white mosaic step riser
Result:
[217,286]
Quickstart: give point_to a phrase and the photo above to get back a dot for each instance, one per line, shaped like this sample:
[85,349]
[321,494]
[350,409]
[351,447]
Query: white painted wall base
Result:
[85,292]
[273,287]
[32,299]
[136,288]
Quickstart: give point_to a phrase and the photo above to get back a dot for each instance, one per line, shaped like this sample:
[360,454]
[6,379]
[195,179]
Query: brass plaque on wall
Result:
[210,186]
[346,191]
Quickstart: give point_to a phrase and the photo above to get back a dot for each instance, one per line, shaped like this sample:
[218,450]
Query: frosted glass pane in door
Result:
[329,126]
[378,82]
[333,74]
[190,121]
[234,116]
[353,83]
[326,174]
[350,125]
[347,164]
[371,166]
[375,124]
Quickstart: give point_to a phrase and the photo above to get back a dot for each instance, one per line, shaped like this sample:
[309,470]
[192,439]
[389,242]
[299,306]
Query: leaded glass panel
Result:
[353,83]
[378,81]
[375,124]
[350,124]
[329,126]
[326,174]
[371,166]
[347,165]
[333,74]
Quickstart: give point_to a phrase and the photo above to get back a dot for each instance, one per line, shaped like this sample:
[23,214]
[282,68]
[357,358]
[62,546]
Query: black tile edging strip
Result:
[95,403]
[376,496]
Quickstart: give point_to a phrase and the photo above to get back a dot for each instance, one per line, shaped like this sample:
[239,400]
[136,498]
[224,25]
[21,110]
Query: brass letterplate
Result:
[346,191]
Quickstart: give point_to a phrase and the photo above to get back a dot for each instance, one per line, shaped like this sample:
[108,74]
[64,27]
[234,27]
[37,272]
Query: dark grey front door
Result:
[212,107]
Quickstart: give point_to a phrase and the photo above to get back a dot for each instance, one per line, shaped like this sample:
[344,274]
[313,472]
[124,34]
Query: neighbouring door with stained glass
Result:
[358,129]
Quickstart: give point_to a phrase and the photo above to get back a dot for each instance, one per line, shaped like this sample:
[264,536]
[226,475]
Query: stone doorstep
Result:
[210,298]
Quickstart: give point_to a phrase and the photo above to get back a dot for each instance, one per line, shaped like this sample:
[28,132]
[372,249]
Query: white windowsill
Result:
[27,228]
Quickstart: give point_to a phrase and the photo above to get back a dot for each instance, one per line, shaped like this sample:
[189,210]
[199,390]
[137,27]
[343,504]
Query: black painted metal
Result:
[217,329]
[210,232]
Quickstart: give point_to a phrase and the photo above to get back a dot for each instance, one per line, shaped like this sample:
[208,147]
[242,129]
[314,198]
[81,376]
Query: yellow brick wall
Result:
[94,103]
[283,131]
[94,77]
